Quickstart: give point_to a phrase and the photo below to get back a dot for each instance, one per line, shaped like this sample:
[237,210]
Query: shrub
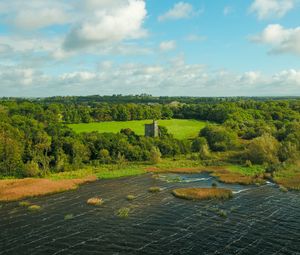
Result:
[219,138]
[104,156]
[263,149]
[248,163]
[155,155]
[31,169]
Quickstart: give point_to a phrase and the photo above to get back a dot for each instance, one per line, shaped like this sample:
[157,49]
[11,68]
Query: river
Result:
[257,220]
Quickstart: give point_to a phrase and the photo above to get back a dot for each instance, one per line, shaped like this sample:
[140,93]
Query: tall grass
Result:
[202,193]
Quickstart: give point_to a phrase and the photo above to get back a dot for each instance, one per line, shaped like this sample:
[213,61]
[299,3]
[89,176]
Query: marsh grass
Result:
[123,212]
[202,193]
[154,189]
[24,203]
[222,213]
[228,177]
[34,208]
[283,189]
[130,197]
[289,177]
[12,190]
[95,201]
[68,217]
[113,171]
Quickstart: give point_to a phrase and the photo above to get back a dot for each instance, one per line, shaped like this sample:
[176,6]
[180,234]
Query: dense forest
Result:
[35,140]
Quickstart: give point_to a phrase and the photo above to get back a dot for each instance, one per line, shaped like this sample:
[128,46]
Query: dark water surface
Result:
[260,220]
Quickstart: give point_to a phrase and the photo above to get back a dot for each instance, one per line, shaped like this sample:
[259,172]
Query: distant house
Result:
[151,130]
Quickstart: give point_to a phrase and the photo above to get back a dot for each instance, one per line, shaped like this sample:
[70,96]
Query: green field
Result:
[181,129]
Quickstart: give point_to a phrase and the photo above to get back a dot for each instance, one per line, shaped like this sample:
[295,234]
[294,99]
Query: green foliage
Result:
[34,140]
[31,169]
[200,145]
[263,149]
[219,138]
[155,155]
[113,172]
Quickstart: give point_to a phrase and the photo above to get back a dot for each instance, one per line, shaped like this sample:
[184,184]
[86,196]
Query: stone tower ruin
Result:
[151,130]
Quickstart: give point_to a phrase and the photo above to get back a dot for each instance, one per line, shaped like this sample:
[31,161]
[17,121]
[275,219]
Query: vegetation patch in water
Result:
[222,213]
[228,177]
[69,217]
[34,208]
[95,201]
[123,212]
[283,189]
[202,193]
[154,189]
[24,203]
[130,197]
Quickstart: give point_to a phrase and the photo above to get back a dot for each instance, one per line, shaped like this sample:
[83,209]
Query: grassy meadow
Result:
[181,129]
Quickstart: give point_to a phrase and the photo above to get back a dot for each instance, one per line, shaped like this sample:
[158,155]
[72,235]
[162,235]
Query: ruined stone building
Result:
[151,130]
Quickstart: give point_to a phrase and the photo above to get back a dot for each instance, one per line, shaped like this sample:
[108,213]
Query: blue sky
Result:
[189,48]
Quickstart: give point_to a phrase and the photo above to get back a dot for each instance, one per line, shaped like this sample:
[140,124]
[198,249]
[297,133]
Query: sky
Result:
[163,48]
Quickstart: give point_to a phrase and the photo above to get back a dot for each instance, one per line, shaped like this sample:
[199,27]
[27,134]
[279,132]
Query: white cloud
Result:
[109,25]
[78,76]
[175,78]
[271,8]
[280,39]
[180,10]
[167,45]
[227,10]
[35,14]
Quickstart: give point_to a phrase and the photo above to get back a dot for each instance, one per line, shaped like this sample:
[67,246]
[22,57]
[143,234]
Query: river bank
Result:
[17,189]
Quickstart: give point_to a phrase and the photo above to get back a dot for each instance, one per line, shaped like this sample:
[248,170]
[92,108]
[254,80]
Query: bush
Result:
[219,138]
[263,149]
[155,155]
[248,163]
[31,169]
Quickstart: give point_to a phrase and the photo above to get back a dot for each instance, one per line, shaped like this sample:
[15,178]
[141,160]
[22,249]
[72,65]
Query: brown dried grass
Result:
[94,201]
[235,178]
[291,182]
[202,193]
[12,190]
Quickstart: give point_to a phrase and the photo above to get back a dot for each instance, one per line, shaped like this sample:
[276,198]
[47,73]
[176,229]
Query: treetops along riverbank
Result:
[35,140]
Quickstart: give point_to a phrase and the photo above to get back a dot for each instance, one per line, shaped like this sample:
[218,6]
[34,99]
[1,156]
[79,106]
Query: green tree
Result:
[263,149]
